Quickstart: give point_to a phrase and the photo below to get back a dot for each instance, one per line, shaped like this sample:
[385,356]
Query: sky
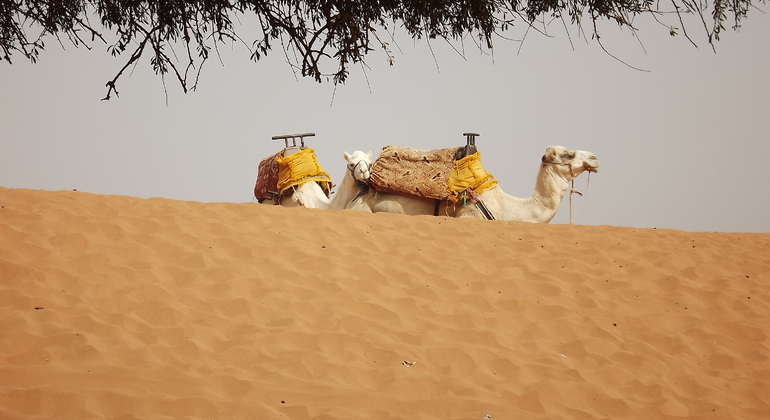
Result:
[682,142]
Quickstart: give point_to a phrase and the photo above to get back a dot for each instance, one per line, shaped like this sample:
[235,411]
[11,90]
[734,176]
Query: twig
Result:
[134,57]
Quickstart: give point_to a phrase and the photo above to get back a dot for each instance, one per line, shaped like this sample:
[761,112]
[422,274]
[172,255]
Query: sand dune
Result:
[116,307]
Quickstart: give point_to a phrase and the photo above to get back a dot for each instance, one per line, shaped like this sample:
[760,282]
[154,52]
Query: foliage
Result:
[313,32]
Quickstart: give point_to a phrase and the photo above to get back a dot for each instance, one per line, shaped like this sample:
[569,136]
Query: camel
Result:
[558,167]
[311,195]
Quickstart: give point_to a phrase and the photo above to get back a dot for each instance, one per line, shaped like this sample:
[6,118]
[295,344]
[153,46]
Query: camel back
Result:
[428,173]
[278,173]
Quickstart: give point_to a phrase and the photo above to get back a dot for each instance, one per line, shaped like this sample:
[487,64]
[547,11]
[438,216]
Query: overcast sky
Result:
[682,145]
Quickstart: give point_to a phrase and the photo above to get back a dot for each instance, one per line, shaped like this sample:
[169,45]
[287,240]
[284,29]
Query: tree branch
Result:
[318,32]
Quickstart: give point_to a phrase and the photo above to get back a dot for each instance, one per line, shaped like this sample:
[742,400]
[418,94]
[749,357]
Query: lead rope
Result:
[588,181]
[363,186]
[574,191]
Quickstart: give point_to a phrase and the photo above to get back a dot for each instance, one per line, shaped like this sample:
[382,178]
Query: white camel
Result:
[559,166]
[311,195]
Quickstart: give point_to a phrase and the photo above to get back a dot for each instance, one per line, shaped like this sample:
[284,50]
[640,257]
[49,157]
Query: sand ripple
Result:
[123,308]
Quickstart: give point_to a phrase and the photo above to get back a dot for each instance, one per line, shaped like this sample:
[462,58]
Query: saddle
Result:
[279,174]
[407,171]
[436,174]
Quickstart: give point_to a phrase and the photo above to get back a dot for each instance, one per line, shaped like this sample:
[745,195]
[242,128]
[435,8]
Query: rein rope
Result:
[353,169]
[572,172]
[572,190]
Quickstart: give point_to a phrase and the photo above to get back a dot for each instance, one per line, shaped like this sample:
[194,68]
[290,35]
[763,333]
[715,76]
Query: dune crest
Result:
[124,308]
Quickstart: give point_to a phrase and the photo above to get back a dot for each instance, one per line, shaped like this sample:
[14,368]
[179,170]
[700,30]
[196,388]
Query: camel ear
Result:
[550,155]
[346,155]
[370,155]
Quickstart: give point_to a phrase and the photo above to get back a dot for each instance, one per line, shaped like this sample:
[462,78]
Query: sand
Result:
[115,307]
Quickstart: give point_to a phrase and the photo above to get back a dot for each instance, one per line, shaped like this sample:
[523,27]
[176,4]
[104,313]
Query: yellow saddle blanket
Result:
[299,168]
[468,173]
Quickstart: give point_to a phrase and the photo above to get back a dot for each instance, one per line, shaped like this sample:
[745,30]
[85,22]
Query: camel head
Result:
[570,162]
[359,165]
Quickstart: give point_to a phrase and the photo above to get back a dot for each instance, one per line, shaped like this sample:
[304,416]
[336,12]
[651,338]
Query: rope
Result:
[588,181]
[353,169]
[570,201]
[572,191]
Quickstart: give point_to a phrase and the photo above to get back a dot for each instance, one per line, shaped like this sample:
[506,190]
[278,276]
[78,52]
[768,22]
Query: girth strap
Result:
[481,206]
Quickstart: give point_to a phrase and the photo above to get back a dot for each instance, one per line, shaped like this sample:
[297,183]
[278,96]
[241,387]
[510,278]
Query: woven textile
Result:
[468,173]
[266,187]
[407,171]
[299,168]
[428,173]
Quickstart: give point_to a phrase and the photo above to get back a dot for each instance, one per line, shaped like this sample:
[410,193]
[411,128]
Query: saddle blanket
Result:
[428,173]
[278,173]
[266,187]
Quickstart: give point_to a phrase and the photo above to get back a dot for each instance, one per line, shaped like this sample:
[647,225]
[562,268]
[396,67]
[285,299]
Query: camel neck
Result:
[345,192]
[550,187]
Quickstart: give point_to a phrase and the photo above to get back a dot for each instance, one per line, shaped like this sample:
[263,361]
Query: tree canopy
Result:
[313,34]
